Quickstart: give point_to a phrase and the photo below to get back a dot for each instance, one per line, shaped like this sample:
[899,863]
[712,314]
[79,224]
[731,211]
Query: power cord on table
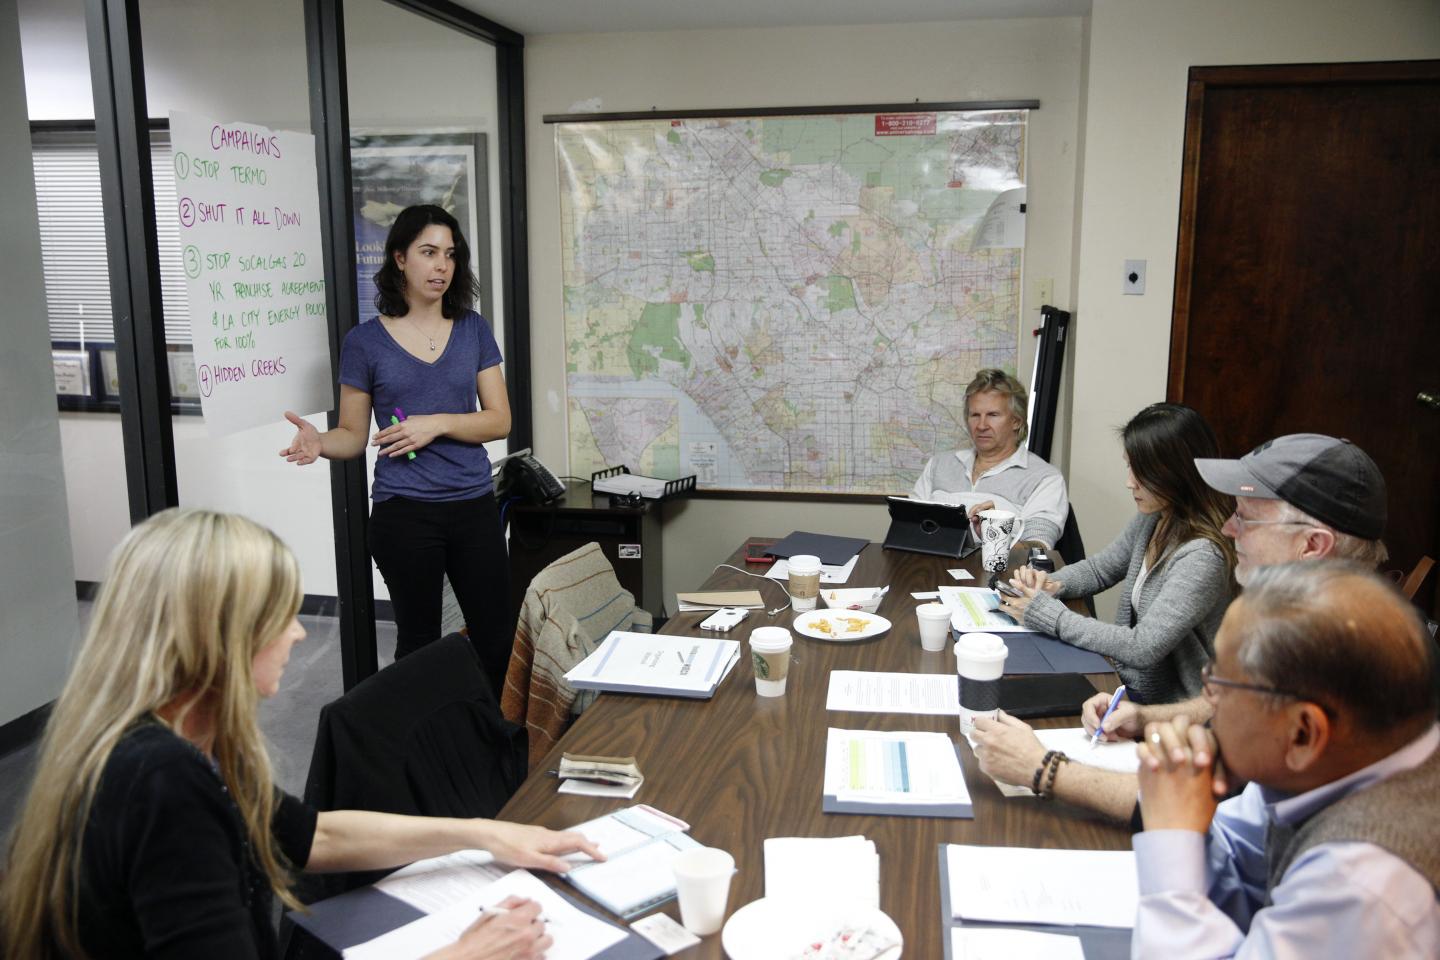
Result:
[788,596]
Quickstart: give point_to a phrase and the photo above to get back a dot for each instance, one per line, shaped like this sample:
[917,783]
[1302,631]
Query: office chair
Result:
[423,736]
[570,607]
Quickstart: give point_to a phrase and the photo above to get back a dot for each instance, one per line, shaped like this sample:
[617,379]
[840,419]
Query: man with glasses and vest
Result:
[1320,699]
[1304,496]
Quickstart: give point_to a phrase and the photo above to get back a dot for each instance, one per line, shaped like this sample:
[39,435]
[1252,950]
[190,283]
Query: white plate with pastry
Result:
[770,929]
[840,626]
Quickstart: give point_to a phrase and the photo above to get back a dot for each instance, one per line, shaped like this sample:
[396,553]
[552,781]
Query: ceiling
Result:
[532,17]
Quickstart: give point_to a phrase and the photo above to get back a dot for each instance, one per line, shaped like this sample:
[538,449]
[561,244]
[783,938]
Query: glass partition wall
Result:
[275,64]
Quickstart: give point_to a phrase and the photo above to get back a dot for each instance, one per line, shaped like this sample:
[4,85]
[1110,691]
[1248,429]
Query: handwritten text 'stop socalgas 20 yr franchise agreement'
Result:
[249,213]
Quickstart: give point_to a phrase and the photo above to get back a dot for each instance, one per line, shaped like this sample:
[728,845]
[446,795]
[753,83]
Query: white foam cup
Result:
[702,884]
[934,625]
[770,655]
[980,661]
[804,573]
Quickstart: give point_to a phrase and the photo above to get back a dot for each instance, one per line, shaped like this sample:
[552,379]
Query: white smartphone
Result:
[724,618]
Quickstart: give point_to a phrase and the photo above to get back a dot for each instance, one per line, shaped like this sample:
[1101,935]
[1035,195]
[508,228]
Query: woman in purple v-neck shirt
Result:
[424,361]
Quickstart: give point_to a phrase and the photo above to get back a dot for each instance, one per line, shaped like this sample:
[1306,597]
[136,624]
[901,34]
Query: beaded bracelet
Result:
[1048,793]
[1040,771]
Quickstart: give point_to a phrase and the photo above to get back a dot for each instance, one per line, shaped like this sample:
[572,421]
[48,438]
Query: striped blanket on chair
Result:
[570,607]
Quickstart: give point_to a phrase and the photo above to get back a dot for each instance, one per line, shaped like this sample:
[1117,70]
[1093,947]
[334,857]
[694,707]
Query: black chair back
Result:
[1071,548]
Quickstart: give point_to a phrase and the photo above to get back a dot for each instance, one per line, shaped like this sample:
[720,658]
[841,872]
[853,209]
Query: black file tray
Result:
[673,488]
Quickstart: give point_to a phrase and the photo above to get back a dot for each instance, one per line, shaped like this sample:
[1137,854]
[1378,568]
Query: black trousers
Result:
[416,543]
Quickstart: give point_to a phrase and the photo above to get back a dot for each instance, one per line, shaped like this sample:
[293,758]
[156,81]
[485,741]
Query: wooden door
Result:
[1307,293]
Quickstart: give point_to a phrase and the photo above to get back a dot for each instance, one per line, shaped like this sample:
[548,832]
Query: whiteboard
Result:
[249,211]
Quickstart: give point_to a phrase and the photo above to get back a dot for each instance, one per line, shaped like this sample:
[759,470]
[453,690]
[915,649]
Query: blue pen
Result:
[1115,699]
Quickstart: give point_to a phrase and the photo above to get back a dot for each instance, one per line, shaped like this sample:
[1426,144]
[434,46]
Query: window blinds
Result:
[72,240]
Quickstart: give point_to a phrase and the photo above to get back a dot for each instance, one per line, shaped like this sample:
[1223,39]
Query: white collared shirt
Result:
[1022,483]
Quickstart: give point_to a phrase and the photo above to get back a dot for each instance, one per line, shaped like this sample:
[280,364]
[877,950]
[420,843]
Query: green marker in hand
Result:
[395,420]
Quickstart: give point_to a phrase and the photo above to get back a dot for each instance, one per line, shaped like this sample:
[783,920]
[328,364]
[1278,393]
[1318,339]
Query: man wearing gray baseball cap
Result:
[1304,496]
[1300,497]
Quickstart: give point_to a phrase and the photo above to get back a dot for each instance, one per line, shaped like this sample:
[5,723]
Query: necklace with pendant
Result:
[429,339]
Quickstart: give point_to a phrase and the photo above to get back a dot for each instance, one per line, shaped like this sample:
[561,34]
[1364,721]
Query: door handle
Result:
[1427,399]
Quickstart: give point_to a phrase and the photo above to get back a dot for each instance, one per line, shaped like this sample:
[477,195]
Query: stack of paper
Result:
[1096,888]
[1074,742]
[628,662]
[640,845]
[934,694]
[829,573]
[903,773]
[823,870]
[577,935]
[439,882]
[630,484]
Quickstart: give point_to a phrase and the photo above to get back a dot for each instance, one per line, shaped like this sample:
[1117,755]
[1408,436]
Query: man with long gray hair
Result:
[1321,699]
[996,470]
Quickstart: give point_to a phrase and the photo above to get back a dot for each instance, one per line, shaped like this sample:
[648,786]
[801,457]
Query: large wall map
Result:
[785,303]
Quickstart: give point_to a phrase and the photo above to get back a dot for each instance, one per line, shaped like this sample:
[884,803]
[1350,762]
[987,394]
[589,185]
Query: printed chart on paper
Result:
[786,303]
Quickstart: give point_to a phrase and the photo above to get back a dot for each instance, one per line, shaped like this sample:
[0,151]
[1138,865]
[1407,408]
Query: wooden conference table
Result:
[740,768]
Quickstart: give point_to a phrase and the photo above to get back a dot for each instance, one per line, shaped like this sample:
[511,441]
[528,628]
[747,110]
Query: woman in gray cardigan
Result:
[1175,567]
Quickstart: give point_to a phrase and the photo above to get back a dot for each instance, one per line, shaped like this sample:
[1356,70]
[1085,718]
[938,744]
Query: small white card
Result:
[927,595]
[960,574]
[665,933]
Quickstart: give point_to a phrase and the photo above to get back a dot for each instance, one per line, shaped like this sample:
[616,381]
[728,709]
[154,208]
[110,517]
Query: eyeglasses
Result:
[1245,522]
[1208,681]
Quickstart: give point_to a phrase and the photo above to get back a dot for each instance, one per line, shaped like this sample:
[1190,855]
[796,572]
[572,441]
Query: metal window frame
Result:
[117,73]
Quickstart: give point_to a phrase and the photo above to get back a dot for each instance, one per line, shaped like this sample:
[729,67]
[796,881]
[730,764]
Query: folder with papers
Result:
[718,600]
[900,773]
[657,664]
[1089,893]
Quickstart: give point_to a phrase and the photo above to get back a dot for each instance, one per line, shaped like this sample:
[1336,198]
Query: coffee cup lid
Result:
[770,639]
[804,563]
[981,646]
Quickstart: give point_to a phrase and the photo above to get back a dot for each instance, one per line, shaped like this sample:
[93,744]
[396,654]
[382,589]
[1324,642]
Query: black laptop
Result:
[924,526]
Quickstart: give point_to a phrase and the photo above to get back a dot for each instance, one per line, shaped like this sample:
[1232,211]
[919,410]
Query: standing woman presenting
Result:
[417,369]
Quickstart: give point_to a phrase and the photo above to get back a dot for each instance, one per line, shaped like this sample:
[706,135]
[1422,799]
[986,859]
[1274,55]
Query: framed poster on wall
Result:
[390,172]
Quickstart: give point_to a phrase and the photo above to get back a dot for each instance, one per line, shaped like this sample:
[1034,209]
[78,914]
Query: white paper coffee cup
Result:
[980,662]
[770,655]
[702,884]
[934,619]
[804,574]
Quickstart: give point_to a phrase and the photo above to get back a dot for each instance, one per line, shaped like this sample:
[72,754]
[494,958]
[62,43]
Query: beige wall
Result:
[978,60]
[1140,52]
